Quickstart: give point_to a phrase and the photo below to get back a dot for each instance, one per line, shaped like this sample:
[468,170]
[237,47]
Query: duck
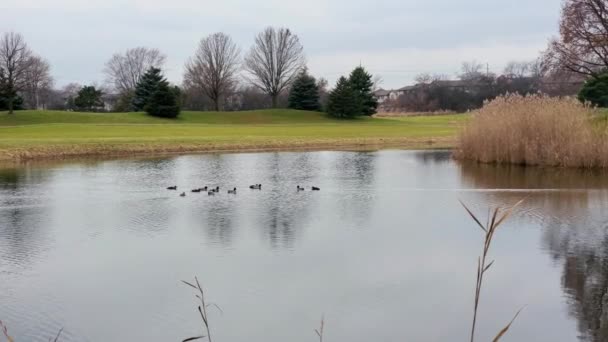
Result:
[196,190]
[233,191]
[217,189]
[204,189]
[183,194]
[300,188]
[256,187]
[314,188]
[211,193]
[172,187]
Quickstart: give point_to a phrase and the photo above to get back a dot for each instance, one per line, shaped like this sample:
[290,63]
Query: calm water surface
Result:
[384,250]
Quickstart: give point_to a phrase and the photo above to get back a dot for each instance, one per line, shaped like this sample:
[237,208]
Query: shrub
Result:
[535,130]
[595,91]
[89,99]
[163,102]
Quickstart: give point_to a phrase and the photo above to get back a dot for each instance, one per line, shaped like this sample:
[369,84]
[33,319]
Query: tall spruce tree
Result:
[145,88]
[343,101]
[304,93]
[362,84]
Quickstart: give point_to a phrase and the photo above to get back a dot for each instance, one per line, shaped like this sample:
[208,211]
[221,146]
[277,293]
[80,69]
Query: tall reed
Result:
[489,229]
[535,130]
[202,309]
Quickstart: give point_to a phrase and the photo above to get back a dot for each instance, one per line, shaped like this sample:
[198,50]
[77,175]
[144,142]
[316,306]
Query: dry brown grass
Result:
[535,130]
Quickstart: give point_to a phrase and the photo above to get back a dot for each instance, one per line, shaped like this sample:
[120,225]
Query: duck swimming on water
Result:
[172,187]
[233,191]
[314,188]
[300,188]
[183,194]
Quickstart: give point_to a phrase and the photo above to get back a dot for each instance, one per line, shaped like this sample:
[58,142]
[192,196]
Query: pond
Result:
[384,251]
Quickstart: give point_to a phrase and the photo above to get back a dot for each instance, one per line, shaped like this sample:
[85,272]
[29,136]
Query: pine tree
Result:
[88,99]
[145,88]
[304,93]
[595,90]
[361,82]
[163,102]
[343,101]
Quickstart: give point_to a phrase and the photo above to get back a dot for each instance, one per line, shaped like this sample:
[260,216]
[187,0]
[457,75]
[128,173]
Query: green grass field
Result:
[39,134]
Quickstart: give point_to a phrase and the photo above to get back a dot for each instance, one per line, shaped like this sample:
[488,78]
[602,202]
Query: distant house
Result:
[381,95]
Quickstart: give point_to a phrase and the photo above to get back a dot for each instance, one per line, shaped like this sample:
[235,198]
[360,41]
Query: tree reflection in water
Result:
[570,205]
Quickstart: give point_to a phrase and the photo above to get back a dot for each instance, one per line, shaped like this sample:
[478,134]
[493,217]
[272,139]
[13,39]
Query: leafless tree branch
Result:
[125,70]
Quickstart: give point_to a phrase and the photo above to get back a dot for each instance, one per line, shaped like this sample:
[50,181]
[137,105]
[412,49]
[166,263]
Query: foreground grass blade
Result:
[5,332]
[506,328]
[58,334]
[193,338]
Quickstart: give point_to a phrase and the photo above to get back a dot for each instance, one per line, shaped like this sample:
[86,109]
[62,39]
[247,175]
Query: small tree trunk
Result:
[10,104]
[275,100]
[216,105]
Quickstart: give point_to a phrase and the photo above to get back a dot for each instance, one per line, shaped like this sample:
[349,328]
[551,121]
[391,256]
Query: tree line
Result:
[274,70]
[272,73]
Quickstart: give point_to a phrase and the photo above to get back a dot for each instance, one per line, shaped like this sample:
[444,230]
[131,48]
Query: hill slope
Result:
[50,134]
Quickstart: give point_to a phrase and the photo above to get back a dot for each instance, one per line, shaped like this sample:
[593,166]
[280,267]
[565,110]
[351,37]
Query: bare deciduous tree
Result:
[15,60]
[274,61]
[427,78]
[38,81]
[214,66]
[582,44]
[471,70]
[518,69]
[377,82]
[125,70]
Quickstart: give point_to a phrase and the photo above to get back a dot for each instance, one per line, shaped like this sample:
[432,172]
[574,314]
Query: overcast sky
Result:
[396,39]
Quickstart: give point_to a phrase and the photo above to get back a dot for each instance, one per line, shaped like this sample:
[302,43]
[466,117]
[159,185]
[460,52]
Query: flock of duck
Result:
[212,191]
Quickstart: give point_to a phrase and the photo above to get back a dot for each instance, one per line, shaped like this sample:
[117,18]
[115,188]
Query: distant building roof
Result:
[381,92]
[407,88]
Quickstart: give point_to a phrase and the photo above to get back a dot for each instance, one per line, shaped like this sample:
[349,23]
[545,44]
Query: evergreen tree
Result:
[145,88]
[304,93]
[4,99]
[88,99]
[343,101]
[163,102]
[361,82]
[595,90]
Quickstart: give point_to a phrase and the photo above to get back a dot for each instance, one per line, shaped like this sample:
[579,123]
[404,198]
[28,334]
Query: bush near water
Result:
[535,130]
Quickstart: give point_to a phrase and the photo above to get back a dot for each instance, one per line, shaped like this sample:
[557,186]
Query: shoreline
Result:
[67,152]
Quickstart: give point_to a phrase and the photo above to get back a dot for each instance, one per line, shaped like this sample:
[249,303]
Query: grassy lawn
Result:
[37,134]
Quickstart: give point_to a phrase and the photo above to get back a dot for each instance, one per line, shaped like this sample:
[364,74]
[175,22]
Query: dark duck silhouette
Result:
[183,194]
[314,188]
[300,188]
[172,187]
[256,187]
[233,191]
